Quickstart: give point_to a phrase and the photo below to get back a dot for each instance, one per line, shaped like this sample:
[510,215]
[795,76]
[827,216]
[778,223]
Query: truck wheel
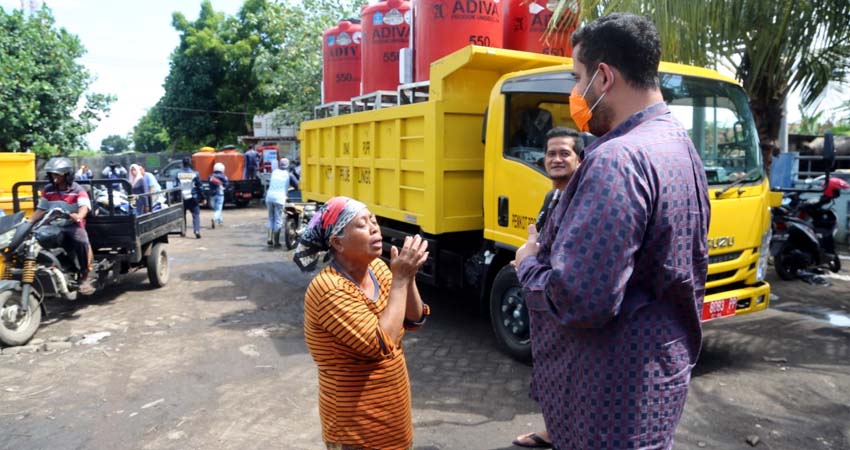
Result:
[15,330]
[785,264]
[157,263]
[290,232]
[509,316]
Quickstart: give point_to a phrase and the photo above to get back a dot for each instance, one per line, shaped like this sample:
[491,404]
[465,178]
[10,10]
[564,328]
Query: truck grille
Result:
[723,257]
[720,276]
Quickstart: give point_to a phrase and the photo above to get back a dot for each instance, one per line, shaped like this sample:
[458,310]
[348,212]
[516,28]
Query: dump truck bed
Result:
[421,163]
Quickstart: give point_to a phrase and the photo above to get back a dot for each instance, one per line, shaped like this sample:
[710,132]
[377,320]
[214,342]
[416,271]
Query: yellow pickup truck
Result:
[451,169]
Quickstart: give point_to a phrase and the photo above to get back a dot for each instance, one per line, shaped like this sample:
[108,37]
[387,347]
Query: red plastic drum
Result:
[341,68]
[526,23]
[443,26]
[386,30]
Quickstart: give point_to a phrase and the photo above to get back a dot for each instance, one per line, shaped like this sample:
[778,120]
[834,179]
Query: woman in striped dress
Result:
[355,313]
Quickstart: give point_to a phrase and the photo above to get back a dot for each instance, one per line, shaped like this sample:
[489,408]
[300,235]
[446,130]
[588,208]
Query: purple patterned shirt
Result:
[616,291]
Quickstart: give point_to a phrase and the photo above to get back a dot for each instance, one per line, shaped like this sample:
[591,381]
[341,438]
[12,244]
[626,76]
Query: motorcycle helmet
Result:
[834,186]
[60,166]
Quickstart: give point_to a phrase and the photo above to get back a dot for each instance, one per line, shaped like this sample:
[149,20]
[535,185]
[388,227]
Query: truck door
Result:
[515,179]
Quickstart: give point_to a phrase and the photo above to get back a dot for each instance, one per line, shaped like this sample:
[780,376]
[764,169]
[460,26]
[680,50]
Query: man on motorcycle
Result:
[63,188]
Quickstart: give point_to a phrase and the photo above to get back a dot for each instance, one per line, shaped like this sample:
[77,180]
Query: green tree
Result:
[149,136]
[115,144]
[229,68]
[773,46]
[42,86]
[292,73]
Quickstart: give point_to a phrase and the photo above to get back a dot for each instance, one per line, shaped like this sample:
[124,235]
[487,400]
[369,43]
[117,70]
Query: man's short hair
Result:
[578,142]
[625,41]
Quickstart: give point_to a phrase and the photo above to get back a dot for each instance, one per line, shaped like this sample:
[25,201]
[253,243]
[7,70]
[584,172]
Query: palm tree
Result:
[772,46]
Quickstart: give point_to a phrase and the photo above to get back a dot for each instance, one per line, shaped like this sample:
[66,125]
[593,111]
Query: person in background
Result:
[62,188]
[356,311]
[615,282]
[138,187]
[563,148]
[252,162]
[115,171]
[276,200]
[83,173]
[193,193]
[218,183]
[153,188]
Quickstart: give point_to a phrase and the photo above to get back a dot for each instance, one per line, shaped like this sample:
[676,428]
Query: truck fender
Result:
[491,261]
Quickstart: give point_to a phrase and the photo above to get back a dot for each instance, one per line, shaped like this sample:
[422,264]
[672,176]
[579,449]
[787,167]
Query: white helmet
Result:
[218,167]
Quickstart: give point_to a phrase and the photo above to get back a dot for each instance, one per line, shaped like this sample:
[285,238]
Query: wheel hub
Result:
[10,314]
[515,315]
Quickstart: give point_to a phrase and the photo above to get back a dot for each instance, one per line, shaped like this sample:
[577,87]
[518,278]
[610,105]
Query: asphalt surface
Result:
[216,360]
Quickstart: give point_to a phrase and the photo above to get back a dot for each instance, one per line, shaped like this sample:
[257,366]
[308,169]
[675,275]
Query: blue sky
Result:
[129,43]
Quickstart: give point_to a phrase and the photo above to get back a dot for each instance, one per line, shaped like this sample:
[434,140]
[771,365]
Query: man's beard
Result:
[600,121]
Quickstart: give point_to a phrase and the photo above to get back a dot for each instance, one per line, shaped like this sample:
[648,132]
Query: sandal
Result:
[536,441]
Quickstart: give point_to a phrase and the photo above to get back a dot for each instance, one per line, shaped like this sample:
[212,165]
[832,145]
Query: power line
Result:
[210,111]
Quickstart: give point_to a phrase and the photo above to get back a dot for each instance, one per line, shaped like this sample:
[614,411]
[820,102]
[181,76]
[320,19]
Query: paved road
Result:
[217,360]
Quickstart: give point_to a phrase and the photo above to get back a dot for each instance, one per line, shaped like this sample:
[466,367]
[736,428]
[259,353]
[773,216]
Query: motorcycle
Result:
[297,216]
[36,266]
[804,231]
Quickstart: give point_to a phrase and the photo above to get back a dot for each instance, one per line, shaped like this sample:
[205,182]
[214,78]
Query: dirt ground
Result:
[217,360]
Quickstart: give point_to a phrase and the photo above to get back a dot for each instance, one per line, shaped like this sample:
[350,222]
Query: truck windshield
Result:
[717,117]
[715,113]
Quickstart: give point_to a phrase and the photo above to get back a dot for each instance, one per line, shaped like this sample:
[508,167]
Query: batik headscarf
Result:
[328,221]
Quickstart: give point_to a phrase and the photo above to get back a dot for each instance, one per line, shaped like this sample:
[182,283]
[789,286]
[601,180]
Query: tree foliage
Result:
[42,86]
[115,144]
[772,46]
[149,136]
[226,69]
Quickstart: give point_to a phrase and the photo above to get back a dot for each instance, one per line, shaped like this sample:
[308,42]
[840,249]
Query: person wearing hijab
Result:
[139,185]
[356,310]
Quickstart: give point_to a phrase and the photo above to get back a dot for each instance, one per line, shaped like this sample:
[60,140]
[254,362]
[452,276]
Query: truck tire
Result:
[18,331]
[509,316]
[157,262]
[290,232]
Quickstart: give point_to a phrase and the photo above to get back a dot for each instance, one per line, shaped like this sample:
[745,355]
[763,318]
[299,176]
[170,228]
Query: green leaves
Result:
[41,86]
[228,68]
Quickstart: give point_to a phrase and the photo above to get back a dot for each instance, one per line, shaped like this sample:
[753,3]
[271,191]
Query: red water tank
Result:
[443,26]
[526,24]
[341,65]
[386,30]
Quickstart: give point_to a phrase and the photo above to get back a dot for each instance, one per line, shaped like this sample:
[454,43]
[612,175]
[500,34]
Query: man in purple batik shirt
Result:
[615,282]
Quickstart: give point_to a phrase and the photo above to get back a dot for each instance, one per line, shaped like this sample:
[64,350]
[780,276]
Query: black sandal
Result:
[539,442]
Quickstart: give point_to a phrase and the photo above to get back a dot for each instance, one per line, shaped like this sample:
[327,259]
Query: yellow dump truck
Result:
[455,169]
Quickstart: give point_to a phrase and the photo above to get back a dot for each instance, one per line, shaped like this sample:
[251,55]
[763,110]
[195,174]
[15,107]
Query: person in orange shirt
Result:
[356,311]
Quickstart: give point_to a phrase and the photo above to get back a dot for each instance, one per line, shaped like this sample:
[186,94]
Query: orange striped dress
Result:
[364,391]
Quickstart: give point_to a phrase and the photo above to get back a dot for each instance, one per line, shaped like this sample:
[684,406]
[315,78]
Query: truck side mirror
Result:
[828,150]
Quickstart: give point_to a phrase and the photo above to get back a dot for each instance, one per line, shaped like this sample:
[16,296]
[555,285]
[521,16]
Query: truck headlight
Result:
[764,253]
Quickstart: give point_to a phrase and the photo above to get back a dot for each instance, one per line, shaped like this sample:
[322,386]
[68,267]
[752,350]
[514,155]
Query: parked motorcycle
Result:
[804,230]
[298,215]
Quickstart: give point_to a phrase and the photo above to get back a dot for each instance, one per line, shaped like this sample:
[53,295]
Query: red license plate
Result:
[719,308]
